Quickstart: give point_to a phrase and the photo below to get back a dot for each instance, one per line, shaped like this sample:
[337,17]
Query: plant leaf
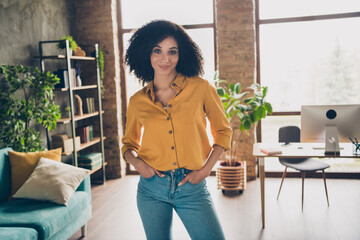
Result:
[220,91]
[264,91]
[231,86]
[268,107]
[237,88]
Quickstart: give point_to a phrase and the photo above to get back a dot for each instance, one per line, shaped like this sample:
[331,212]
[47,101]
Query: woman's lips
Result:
[164,67]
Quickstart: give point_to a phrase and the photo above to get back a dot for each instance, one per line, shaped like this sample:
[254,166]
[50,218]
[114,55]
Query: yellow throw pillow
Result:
[23,164]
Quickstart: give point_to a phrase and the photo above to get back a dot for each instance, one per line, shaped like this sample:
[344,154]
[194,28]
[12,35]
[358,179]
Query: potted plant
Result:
[72,44]
[243,109]
[26,99]
[67,112]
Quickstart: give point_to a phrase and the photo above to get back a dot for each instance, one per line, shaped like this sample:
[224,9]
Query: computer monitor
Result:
[330,124]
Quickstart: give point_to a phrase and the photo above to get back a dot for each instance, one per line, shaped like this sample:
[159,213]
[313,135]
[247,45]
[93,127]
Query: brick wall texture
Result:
[96,22]
[235,23]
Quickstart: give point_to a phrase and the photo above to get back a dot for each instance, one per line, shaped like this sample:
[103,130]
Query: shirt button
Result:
[170,132]
[172,147]
[174,163]
[170,105]
[168,118]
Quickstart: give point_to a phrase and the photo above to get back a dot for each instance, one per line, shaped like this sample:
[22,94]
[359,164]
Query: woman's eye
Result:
[173,52]
[157,51]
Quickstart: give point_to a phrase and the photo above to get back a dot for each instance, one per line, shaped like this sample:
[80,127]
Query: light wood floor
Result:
[115,214]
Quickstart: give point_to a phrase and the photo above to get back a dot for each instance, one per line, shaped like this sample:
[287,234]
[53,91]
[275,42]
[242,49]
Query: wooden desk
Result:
[294,150]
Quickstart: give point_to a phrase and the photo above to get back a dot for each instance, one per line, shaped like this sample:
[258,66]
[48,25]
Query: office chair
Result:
[290,134]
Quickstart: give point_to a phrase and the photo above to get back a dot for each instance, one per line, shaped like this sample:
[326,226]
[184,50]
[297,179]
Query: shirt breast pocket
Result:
[187,112]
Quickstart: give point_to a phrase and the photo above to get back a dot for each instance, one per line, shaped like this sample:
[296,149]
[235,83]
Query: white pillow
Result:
[52,181]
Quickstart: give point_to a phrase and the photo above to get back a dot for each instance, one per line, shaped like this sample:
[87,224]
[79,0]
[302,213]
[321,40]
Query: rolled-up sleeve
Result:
[131,139]
[219,125]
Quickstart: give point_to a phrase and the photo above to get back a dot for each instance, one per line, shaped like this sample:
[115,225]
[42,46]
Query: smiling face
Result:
[164,57]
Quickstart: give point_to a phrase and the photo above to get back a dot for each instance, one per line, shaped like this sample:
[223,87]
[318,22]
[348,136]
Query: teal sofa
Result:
[33,219]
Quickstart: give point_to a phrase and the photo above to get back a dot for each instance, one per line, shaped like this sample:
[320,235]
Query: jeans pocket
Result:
[149,178]
[193,184]
[197,184]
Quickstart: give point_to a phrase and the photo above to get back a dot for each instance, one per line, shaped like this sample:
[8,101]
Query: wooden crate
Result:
[231,178]
[67,144]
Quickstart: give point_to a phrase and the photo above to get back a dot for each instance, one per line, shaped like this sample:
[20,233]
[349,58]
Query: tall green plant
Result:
[241,110]
[25,99]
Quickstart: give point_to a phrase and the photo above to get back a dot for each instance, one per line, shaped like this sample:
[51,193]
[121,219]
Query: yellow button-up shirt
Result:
[176,138]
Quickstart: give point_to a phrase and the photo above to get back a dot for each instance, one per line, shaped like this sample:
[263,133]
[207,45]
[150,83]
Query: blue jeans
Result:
[158,196]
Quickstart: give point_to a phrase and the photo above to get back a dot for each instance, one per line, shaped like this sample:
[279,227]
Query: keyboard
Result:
[323,148]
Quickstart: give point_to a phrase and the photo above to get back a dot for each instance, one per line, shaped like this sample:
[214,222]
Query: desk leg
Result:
[262,188]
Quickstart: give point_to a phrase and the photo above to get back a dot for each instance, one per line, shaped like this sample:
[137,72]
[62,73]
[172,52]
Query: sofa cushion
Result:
[18,233]
[23,164]
[5,174]
[52,181]
[46,217]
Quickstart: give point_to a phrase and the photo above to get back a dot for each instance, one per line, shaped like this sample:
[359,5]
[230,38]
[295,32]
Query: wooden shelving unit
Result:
[65,56]
[75,119]
[76,88]
[85,145]
[97,169]
[79,117]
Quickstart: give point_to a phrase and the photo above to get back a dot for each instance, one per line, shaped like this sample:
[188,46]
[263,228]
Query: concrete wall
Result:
[26,22]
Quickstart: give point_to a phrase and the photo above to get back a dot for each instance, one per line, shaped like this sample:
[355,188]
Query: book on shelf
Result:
[91,166]
[90,105]
[87,135]
[91,132]
[271,151]
[90,160]
[83,133]
[64,78]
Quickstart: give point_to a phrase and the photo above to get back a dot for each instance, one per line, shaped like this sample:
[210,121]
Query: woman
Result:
[174,156]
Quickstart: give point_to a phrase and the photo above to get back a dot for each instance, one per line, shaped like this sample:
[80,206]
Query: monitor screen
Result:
[339,122]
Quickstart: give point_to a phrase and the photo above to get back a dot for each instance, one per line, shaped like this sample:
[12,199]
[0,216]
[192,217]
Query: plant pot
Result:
[70,52]
[231,177]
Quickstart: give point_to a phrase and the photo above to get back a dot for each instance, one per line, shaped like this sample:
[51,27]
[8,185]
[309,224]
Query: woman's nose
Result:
[166,57]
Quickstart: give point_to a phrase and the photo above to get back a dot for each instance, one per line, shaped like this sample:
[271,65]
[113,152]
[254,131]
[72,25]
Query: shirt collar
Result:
[177,85]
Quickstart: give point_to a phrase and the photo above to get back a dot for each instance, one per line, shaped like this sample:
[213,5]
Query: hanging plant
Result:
[101,69]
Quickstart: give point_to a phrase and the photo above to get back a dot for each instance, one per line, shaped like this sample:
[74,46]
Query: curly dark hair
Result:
[144,39]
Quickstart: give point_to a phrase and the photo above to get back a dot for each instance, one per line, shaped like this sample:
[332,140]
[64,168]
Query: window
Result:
[315,62]
[196,16]
[309,53]
[184,12]
[273,9]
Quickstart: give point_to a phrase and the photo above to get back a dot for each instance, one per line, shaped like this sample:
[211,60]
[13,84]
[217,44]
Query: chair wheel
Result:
[223,191]
[241,191]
